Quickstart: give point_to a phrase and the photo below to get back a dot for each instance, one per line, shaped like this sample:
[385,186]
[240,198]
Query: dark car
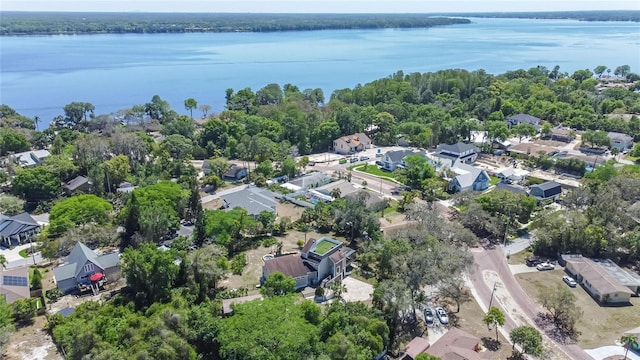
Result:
[533,261]
[379,163]
[397,190]
[428,315]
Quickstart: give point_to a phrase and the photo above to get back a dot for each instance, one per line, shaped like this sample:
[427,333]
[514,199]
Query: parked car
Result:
[311,163]
[398,189]
[378,154]
[364,158]
[379,163]
[428,315]
[545,266]
[533,261]
[353,159]
[569,281]
[442,315]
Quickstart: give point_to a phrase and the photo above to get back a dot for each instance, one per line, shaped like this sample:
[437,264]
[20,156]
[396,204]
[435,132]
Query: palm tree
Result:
[3,261]
[629,341]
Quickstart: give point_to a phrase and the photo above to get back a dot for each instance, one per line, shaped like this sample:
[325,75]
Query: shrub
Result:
[300,243]
[53,295]
[238,263]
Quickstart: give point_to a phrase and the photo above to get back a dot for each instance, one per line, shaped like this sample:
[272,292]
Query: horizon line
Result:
[313,13]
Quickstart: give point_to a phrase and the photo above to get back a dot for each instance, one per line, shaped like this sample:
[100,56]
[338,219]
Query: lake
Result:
[40,74]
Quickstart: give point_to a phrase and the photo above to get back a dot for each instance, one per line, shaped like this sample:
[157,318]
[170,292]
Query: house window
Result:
[88,268]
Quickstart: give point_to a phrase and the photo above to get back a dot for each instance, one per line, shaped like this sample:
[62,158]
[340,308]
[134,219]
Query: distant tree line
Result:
[591,15]
[17,23]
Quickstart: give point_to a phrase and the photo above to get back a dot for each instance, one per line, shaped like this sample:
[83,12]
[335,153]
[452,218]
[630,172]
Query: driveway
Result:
[15,260]
[607,351]
[356,290]
[491,271]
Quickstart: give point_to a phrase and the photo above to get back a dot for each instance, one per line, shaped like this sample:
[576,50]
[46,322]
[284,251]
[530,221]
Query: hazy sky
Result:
[316,6]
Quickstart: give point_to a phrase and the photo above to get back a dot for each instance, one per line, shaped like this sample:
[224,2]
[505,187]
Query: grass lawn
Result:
[392,209]
[324,246]
[599,326]
[23,253]
[375,171]
[494,180]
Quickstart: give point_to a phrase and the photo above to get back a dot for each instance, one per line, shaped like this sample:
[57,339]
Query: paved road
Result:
[495,261]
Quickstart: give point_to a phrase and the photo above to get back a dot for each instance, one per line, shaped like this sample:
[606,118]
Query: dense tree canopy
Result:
[78,210]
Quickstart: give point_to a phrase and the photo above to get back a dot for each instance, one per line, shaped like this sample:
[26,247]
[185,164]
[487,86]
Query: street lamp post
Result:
[495,285]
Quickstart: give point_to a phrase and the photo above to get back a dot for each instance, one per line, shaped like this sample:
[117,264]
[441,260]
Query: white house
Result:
[620,141]
[31,158]
[604,285]
[392,160]
[468,178]
[456,153]
[350,144]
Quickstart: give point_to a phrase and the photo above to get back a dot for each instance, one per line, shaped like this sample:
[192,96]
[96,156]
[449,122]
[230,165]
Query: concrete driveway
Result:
[15,260]
[607,351]
[357,290]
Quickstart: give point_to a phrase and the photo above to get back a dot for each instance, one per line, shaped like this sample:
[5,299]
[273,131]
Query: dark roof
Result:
[17,224]
[290,265]
[516,189]
[524,118]
[457,148]
[74,184]
[234,170]
[548,185]
[66,312]
[619,136]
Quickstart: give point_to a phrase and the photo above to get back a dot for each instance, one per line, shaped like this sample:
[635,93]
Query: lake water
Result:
[40,74]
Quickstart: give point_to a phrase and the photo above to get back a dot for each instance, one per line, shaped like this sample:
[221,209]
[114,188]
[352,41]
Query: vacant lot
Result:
[599,326]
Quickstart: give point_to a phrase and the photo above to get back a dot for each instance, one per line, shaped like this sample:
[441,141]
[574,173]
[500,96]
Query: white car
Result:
[428,315]
[545,266]
[569,281]
[442,315]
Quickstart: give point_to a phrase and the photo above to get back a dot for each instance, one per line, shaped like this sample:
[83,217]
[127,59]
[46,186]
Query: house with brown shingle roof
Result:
[350,144]
[599,282]
[320,262]
[456,344]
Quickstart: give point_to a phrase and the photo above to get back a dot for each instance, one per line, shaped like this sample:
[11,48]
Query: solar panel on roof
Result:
[14,280]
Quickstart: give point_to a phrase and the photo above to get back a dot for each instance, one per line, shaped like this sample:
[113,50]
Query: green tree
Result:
[24,310]
[36,280]
[528,338]
[564,311]
[150,273]
[265,168]
[425,356]
[205,110]
[629,341]
[524,130]
[278,284]
[117,170]
[12,142]
[61,166]
[599,70]
[190,104]
[207,270]
[289,168]
[497,130]
[37,184]
[78,210]
[494,317]
[11,205]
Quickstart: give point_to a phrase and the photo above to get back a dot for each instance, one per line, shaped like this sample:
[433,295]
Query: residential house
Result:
[620,141]
[468,178]
[14,284]
[604,285]
[458,344]
[18,229]
[320,262]
[545,191]
[29,159]
[253,199]
[77,185]
[350,144]
[235,173]
[86,270]
[562,134]
[507,174]
[523,119]
[456,153]
[392,160]
[417,346]
[309,181]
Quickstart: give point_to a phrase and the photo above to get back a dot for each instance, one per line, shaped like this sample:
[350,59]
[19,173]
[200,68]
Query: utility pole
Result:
[495,285]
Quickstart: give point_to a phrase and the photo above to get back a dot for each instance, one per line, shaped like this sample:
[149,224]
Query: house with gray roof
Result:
[253,199]
[516,189]
[468,178]
[620,141]
[235,173]
[29,159]
[517,119]
[77,185]
[84,270]
[451,154]
[392,160]
[546,190]
[310,181]
[603,279]
[17,229]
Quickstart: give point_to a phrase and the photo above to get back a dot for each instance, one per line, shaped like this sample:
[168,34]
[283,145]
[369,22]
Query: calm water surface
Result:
[40,74]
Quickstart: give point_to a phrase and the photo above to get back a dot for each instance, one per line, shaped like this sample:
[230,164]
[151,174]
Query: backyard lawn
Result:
[375,171]
[494,180]
[599,326]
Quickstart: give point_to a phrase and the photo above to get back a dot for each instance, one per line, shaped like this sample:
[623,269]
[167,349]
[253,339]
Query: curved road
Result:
[494,260]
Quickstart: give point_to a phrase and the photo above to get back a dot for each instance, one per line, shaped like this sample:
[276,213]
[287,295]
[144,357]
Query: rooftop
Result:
[325,245]
[252,199]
